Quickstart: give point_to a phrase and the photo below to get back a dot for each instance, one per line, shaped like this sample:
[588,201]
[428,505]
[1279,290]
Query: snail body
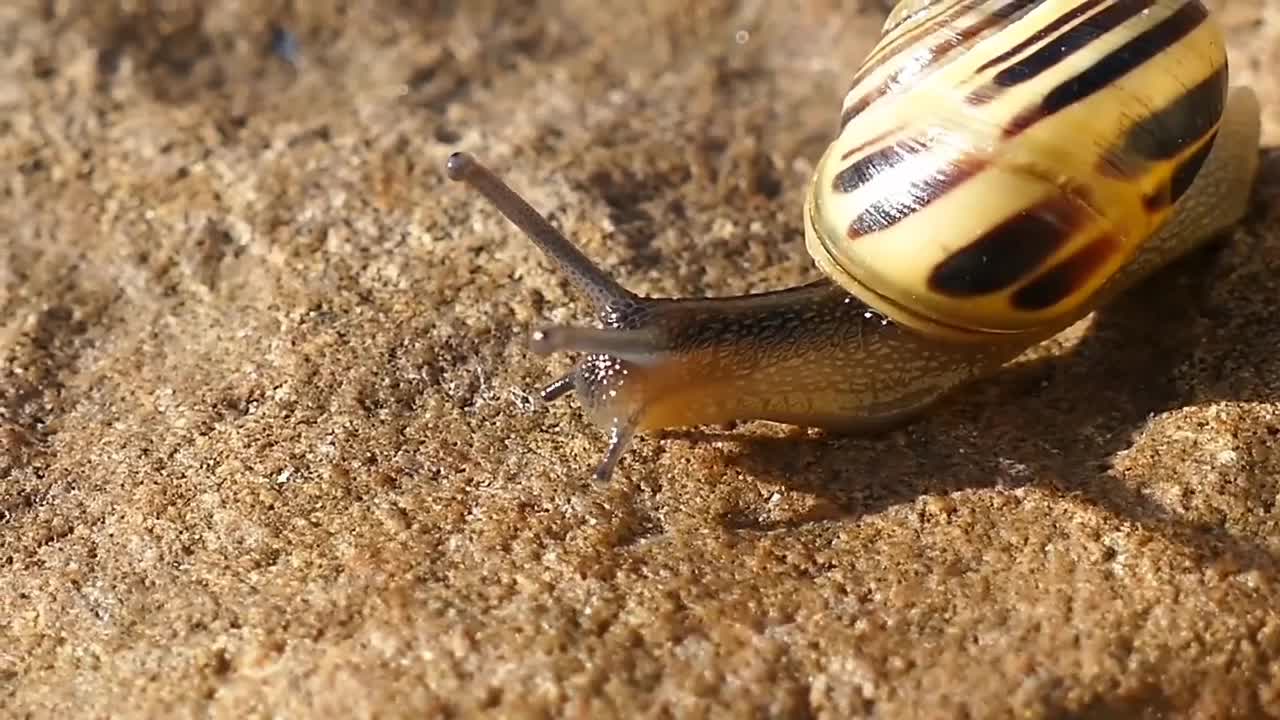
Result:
[1002,169]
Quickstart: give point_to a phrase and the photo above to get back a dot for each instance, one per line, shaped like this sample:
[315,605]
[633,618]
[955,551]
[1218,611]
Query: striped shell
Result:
[998,160]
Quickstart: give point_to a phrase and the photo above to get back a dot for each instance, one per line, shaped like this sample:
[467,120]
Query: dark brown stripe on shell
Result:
[1165,133]
[901,201]
[1183,175]
[1070,42]
[1044,32]
[951,41]
[865,168]
[911,38]
[1188,169]
[1113,66]
[874,140]
[1067,277]
[1011,251]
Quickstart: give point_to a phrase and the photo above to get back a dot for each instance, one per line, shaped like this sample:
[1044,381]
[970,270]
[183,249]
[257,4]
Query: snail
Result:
[1002,169]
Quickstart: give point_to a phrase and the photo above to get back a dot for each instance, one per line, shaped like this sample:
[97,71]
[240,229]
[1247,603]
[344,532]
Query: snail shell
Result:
[999,160]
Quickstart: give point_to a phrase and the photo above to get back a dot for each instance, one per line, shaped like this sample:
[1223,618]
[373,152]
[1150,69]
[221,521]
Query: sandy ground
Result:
[268,445]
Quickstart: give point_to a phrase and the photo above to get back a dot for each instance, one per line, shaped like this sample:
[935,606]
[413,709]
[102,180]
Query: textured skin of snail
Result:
[1003,168]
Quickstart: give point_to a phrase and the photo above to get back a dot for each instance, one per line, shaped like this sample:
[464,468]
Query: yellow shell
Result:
[998,160]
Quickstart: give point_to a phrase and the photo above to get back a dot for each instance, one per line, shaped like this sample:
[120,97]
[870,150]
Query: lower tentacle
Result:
[558,388]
